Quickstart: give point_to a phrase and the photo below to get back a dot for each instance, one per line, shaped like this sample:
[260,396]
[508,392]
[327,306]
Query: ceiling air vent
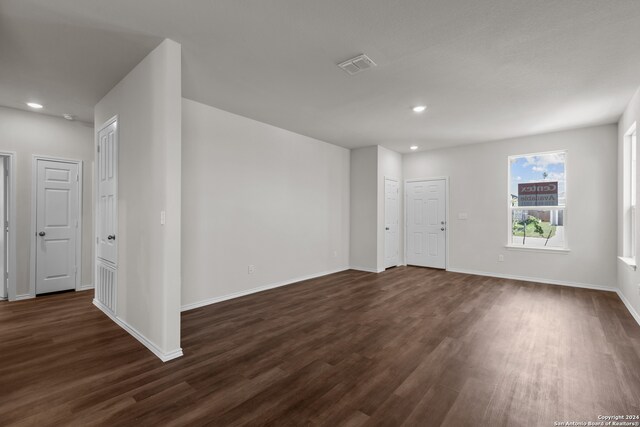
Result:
[357,64]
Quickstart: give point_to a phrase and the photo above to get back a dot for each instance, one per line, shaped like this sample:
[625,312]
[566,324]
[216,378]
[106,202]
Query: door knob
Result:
[111,237]
[41,234]
[386,228]
[442,229]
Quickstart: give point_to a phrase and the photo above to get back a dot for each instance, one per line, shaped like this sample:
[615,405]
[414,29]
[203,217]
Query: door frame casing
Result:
[11,219]
[384,219]
[34,202]
[446,215]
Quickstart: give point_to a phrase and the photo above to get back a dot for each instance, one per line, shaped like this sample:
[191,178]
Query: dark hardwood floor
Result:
[409,346]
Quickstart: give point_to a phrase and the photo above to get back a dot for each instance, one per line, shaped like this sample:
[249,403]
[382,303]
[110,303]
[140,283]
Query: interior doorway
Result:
[7,227]
[56,222]
[391,222]
[106,227]
[4,249]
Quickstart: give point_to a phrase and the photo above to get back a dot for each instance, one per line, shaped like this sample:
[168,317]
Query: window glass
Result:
[537,200]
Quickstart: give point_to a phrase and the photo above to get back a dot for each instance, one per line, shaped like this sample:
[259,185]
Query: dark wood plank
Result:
[409,346]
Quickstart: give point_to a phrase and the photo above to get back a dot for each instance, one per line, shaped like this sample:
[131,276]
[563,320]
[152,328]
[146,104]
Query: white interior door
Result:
[426,223]
[391,223]
[107,187]
[57,207]
[3,224]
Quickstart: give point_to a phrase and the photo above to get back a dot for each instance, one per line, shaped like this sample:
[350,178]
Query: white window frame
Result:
[630,153]
[561,250]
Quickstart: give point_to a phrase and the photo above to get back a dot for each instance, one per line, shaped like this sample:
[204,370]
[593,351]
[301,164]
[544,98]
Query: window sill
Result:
[631,262]
[535,249]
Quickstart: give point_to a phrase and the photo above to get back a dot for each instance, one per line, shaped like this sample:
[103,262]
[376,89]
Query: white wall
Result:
[26,134]
[628,280]
[478,185]
[148,103]
[255,194]
[389,166]
[364,209]
[369,167]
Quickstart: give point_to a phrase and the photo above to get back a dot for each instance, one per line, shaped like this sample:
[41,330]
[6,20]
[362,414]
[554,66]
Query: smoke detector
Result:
[355,65]
[68,117]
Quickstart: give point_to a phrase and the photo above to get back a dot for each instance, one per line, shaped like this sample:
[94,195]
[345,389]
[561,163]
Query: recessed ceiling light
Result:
[34,105]
[419,108]
[414,147]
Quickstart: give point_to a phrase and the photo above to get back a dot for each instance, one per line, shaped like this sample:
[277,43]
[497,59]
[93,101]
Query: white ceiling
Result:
[487,69]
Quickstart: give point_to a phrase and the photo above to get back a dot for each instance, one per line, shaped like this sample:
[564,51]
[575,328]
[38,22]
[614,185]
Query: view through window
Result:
[537,200]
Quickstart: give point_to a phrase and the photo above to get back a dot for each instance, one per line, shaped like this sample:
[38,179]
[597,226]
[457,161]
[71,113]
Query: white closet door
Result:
[57,207]
[3,233]
[391,223]
[107,166]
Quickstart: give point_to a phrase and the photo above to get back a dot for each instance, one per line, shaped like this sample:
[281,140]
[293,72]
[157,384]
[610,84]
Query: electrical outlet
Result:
[500,258]
[251,269]
[335,254]
[163,217]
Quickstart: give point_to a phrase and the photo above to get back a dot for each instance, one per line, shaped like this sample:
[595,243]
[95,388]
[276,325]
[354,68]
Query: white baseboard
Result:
[535,279]
[85,287]
[627,304]
[366,269]
[23,297]
[239,294]
[164,356]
